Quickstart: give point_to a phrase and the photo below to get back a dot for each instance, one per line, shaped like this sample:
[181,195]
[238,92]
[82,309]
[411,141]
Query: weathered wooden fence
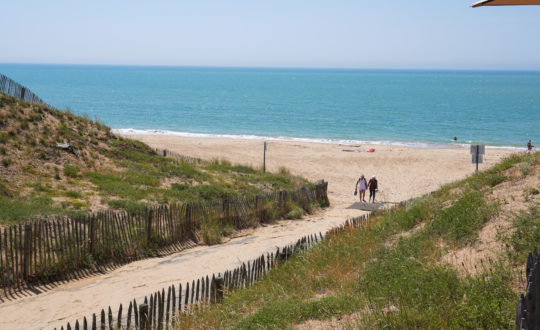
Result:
[42,251]
[10,87]
[528,308]
[173,154]
[160,309]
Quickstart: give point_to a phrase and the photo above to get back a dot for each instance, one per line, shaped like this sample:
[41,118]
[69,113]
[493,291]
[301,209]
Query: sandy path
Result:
[402,172]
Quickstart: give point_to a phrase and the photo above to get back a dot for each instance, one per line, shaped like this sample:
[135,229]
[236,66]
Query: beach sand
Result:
[402,173]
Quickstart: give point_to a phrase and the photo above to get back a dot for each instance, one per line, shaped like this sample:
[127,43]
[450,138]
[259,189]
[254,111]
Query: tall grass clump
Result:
[71,171]
[212,231]
[526,236]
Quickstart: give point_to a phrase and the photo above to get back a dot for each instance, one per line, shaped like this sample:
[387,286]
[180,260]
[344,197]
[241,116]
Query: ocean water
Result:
[422,108]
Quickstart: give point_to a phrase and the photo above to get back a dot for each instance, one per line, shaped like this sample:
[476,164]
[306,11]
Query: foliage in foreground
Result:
[369,278]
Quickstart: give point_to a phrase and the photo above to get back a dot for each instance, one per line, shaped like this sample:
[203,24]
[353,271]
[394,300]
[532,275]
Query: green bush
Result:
[71,171]
[296,213]
[270,211]
[211,231]
[73,194]
[526,236]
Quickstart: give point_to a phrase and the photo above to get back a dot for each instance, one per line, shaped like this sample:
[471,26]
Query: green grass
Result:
[394,282]
[113,184]
[527,234]
[459,223]
[128,205]
[293,310]
[71,171]
[21,210]
[73,194]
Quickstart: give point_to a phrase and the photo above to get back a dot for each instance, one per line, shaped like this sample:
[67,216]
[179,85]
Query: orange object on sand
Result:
[370,150]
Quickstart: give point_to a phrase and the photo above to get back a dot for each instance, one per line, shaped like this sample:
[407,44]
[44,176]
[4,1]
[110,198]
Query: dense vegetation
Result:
[395,271]
[105,171]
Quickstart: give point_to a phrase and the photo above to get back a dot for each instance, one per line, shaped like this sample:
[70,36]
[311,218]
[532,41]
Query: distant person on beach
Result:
[372,185]
[361,186]
[529,146]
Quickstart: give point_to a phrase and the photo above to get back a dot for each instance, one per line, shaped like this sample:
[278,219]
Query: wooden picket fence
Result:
[528,308]
[160,309]
[43,251]
[10,87]
[176,155]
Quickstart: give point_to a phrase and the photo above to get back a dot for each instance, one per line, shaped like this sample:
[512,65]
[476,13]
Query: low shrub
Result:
[526,236]
[270,211]
[71,171]
[296,213]
[73,194]
[211,232]
[128,205]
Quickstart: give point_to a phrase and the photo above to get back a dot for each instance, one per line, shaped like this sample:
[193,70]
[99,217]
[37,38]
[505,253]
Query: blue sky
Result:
[295,33]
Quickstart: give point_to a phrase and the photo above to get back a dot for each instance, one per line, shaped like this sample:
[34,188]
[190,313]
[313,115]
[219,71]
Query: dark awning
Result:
[505,3]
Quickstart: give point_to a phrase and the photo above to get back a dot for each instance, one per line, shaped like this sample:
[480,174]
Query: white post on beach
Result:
[264,157]
[477,152]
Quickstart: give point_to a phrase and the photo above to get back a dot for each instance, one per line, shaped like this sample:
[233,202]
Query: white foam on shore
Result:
[427,145]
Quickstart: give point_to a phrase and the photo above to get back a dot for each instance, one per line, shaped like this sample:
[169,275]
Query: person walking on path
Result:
[372,185]
[361,186]
[529,146]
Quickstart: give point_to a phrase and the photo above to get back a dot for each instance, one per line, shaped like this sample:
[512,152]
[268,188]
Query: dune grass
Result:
[106,170]
[377,277]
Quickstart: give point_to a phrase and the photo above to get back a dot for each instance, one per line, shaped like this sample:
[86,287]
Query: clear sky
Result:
[402,34]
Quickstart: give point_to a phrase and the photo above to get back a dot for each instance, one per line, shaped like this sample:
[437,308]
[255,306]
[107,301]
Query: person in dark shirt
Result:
[529,146]
[372,186]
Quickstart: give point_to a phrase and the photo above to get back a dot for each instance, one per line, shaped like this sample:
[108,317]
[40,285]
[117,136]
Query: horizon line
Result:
[269,67]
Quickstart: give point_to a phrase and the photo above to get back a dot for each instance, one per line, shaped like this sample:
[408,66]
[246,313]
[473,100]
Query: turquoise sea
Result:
[414,107]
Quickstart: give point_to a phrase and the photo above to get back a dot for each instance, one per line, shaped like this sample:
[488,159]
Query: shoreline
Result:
[343,142]
[403,172]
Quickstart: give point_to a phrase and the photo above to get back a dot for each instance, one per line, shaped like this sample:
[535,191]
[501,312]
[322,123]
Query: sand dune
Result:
[402,172]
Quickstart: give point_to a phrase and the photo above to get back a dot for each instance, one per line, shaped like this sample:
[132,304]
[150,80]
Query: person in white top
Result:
[361,186]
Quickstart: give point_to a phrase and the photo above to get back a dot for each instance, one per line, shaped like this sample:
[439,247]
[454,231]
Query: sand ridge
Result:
[402,172]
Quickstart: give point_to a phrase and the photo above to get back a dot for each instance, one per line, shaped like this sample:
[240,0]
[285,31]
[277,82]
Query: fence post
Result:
[93,237]
[321,189]
[149,227]
[281,203]
[27,250]
[143,317]
[218,288]
[259,210]
[225,211]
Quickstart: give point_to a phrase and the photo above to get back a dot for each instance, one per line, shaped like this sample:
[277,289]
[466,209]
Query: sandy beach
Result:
[402,172]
